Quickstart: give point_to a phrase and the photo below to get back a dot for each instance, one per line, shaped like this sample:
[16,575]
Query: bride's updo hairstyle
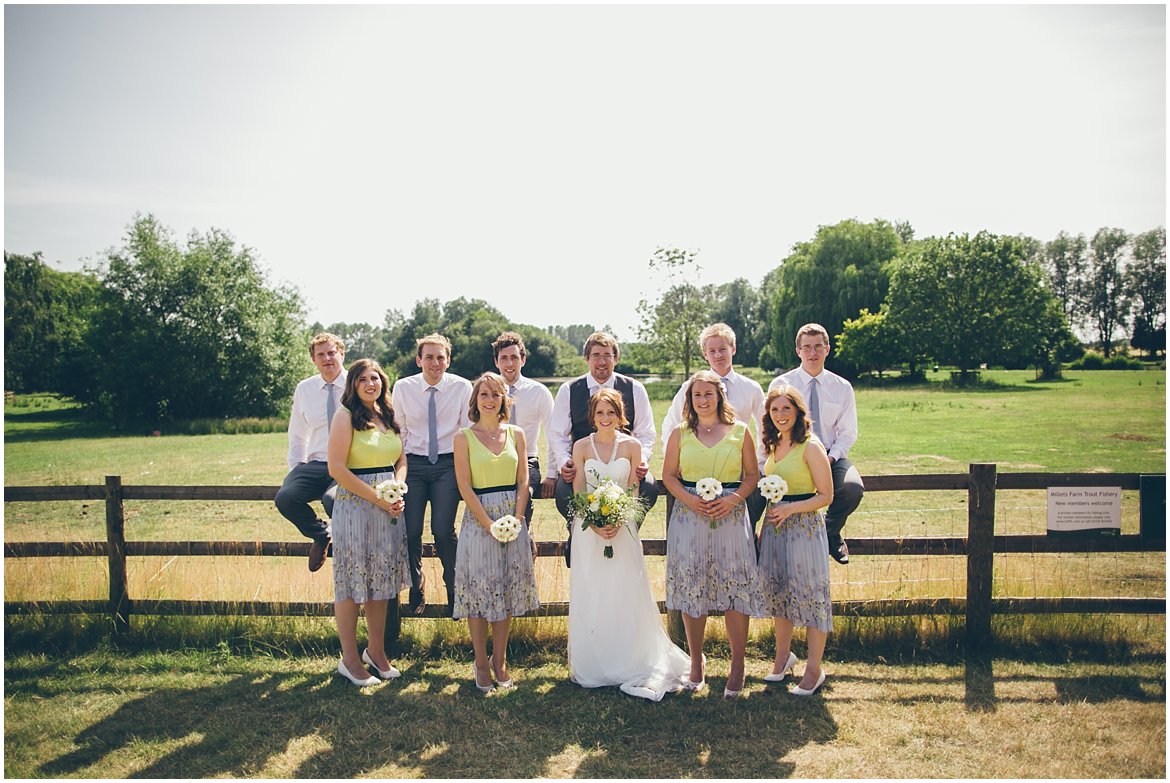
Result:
[724,411]
[614,398]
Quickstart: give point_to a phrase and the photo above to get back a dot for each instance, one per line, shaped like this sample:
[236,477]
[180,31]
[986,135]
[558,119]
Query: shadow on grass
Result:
[37,424]
[430,725]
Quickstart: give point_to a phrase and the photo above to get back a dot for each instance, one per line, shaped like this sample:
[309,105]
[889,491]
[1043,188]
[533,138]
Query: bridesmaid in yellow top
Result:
[369,549]
[710,549]
[493,582]
[794,552]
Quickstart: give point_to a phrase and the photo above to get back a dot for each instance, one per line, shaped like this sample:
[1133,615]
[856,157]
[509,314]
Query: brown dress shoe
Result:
[317,552]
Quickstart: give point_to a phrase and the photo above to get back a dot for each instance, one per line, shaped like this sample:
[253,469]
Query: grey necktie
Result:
[432,427]
[512,402]
[814,408]
[330,405]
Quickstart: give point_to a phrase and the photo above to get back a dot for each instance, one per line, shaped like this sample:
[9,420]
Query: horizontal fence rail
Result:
[981,483]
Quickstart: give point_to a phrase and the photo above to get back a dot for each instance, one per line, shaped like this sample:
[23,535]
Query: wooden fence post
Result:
[980,552]
[116,550]
[393,623]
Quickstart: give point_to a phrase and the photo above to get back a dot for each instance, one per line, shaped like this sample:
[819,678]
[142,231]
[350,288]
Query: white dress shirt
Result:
[308,424]
[744,394]
[532,406]
[838,407]
[409,398]
[560,429]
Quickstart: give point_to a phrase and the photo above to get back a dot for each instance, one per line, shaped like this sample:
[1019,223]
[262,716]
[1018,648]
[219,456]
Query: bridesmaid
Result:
[493,581]
[710,550]
[794,552]
[369,550]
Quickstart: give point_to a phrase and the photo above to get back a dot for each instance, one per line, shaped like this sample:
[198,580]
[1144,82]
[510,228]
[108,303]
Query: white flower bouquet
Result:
[607,506]
[506,529]
[392,491]
[709,489]
[773,489]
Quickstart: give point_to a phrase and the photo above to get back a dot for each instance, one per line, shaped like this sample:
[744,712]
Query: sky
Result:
[535,156]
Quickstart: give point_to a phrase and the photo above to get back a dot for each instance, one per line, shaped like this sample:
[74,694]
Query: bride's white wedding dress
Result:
[616,635]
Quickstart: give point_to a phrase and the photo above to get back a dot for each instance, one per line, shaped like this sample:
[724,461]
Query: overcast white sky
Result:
[535,156]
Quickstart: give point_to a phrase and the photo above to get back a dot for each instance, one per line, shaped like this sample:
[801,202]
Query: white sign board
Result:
[1074,509]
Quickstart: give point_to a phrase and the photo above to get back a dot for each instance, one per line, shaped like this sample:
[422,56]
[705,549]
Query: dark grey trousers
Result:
[434,484]
[305,483]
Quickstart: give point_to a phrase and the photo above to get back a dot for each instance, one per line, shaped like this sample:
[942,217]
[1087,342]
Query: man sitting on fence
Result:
[314,403]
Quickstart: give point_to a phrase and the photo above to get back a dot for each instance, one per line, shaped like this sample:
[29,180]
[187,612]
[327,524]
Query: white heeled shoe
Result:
[799,691]
[774,677]
[385,674]
[483,688]
[358,681]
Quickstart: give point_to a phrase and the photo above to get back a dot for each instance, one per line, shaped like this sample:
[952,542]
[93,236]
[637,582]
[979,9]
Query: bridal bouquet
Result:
[607,506]
[709,489]
[506,529]
[392,491]
[773,489]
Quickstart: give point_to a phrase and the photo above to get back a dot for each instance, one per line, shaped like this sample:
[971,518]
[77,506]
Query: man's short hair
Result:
[812,329]
[602,339]
[326,337]
[716,330]
[434,338]
[507,340]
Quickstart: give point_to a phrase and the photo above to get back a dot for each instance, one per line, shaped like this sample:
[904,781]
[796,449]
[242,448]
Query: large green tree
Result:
[967,300]
[191,331]
[1146,285]
[738,305]
[1064,266]
[830,279]
[46,313]
[871,341]
[1103,289]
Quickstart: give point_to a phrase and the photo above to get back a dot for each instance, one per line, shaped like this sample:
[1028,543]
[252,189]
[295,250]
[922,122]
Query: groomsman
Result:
[833,409]
[531,405]
[717,342]
[314,402]
[430,408]
[570,422]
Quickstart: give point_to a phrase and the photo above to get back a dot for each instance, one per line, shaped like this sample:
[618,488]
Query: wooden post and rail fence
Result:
[981,482]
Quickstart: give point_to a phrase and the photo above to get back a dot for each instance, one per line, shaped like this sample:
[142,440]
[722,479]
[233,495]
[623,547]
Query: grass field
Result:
[1064,696]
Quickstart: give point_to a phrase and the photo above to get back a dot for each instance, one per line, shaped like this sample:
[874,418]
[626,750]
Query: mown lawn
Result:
[221,712]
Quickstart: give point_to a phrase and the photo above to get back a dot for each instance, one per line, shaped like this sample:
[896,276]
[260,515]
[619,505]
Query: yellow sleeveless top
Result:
[723,461]
[793,469]
[491,470]
[373,449]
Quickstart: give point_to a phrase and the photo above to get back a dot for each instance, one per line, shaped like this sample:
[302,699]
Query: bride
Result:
[615,630]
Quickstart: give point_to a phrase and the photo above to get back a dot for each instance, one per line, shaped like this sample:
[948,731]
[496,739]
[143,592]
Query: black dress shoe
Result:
[840,552]
[317,552]
[417,603]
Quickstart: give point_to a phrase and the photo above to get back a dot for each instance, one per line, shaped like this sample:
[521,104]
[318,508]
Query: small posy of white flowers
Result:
[773,488]
[709,488]
[392,491]
[506,529]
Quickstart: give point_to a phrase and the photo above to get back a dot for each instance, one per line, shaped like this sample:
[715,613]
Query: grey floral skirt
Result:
[369,550]
[794,571]
[710,569]
[493,581]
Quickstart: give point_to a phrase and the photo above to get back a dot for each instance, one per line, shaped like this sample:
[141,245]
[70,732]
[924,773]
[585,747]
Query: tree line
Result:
[161,329]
